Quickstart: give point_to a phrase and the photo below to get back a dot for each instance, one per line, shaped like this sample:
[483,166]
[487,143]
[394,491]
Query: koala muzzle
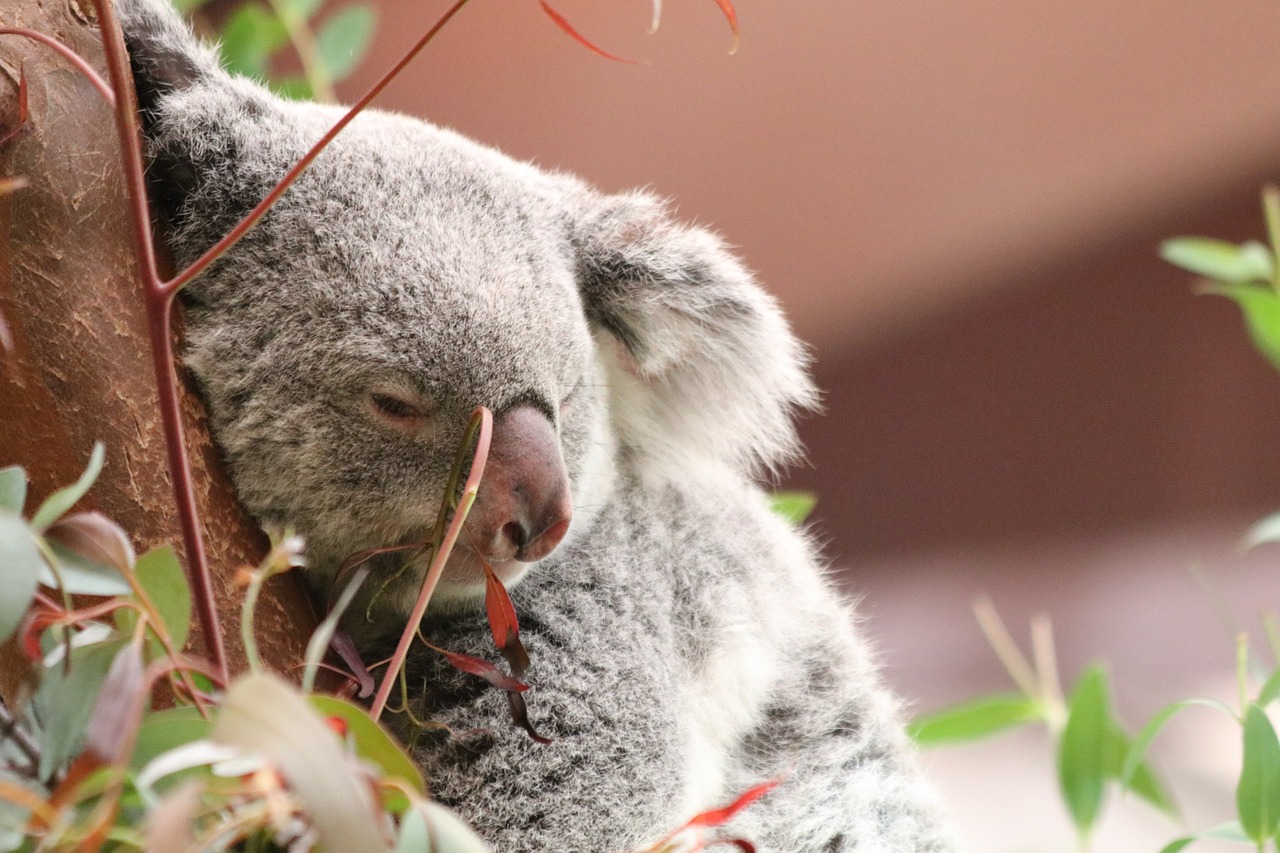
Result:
[524,506]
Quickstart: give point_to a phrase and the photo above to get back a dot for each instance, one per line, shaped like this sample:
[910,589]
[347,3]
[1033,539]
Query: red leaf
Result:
[731,16]
[483,669]
[503,623]
[117,713]
[722,815]
[520,717]
[22,107]
[741,843]
[563,24]
[37,619]
[342,643]
[95,537]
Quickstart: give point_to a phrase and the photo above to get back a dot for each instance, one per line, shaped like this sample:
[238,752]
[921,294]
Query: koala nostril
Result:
[516,534]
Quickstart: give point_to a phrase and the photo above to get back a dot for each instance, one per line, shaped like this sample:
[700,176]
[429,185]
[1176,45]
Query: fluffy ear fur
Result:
[702,363]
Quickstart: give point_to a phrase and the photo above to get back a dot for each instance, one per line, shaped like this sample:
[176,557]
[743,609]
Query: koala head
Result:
[411,275]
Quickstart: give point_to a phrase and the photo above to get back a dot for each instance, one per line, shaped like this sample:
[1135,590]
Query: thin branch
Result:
[1005,648]
[9,729]
[234,235]
[69,55]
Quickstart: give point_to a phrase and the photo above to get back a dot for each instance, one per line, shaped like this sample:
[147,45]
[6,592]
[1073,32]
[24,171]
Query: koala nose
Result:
[524,506]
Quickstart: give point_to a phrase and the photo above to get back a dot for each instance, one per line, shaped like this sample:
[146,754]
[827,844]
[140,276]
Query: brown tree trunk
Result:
[80,368]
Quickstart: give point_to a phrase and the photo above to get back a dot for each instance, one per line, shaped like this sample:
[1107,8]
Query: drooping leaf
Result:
[722,815]
[1143,780]
[65,700]
[13,489]
[1229,831]
[979,718]
[1261,308]
[503,623]
[1270,690]
[264,715]
[794,506]
[344,38]
[167,729]
[481,668]
[323,634]
[92,552]
[1085,750]
[726,6]
[160,574]
[57,504]
[20,566]
[80,576]
[520,717]
[1137,750]
[563,23]
[251,36]
[1258,791]
[372,743]
[1220,260]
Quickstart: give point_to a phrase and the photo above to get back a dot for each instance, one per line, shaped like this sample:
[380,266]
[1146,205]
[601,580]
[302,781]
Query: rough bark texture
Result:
[80,369]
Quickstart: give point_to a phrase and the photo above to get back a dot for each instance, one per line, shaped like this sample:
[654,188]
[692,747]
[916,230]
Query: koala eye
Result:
[407,416]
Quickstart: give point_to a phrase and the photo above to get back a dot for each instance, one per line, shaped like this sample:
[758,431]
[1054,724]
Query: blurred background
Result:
[960,205]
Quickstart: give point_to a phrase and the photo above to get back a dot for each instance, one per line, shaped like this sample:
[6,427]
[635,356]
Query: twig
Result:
[69,55]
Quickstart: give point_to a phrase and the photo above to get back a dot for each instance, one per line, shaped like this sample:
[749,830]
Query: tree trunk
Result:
[80,367]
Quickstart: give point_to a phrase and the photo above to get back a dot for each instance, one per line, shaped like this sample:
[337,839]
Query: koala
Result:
[686,642]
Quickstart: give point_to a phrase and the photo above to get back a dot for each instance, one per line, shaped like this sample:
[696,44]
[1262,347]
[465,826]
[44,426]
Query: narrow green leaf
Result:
[979,718]
[372,743]
[320,637]
[1137,750]
[1261,308]
[794,506]
[1086,749]
[1258,792]
[58,503]
[13,488]
[20,566]
[293,88]
[1142,781]
[1220,260]
[344,38]
[160,574]
[1229,831]
[251,35]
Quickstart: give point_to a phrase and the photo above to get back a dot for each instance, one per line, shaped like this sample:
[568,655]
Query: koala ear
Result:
[165,55]
[701,362]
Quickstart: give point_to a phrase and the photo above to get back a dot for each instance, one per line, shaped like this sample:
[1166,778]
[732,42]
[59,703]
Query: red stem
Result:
[159,307]
[69,55]
[234,235]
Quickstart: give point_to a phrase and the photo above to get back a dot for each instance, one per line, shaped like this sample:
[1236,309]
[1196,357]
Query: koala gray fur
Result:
[686,644]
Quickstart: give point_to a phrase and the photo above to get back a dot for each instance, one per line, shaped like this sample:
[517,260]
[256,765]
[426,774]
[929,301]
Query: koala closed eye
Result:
[397,410]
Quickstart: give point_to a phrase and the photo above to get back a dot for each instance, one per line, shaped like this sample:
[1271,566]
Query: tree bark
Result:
[80,368]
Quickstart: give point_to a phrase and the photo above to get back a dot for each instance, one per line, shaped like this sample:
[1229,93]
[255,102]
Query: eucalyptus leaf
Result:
[64,702]
[429,827]
[167,729]
[186,7]
[979,718]
[344,38]
[82,576]
[21,564]
[1229,831]
[303,9]
[293,88]
[1137,749]
[251,36]
[160,574]
[1261,308]
[323,634]
[13,488]
[1142,779]
[1086,750]
[1270,690]
[58,503]
[13,816]
[793,506]
[1220,260]
[371,743]
[1258,792]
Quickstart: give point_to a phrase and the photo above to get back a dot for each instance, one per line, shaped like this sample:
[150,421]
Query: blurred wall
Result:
[959,204]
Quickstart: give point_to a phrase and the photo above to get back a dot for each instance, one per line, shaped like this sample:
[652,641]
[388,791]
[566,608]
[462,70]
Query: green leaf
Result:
[186,7]
[1261,308]
[1258,792]
[372,743]
[1086,750]
[1136,750]
[65,701]
[323,634]
[160,574]
[429,827]
[344,38]
[57,504]
[252,34]
[979,718]
[20,563]
[164,730]
[1142,781]
[303,9]
[1229,831]
[13,817]
[794,506]
[1266,530]
[13,488]
[1220,260]
[1270,690]
[262,714]
[81,576]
